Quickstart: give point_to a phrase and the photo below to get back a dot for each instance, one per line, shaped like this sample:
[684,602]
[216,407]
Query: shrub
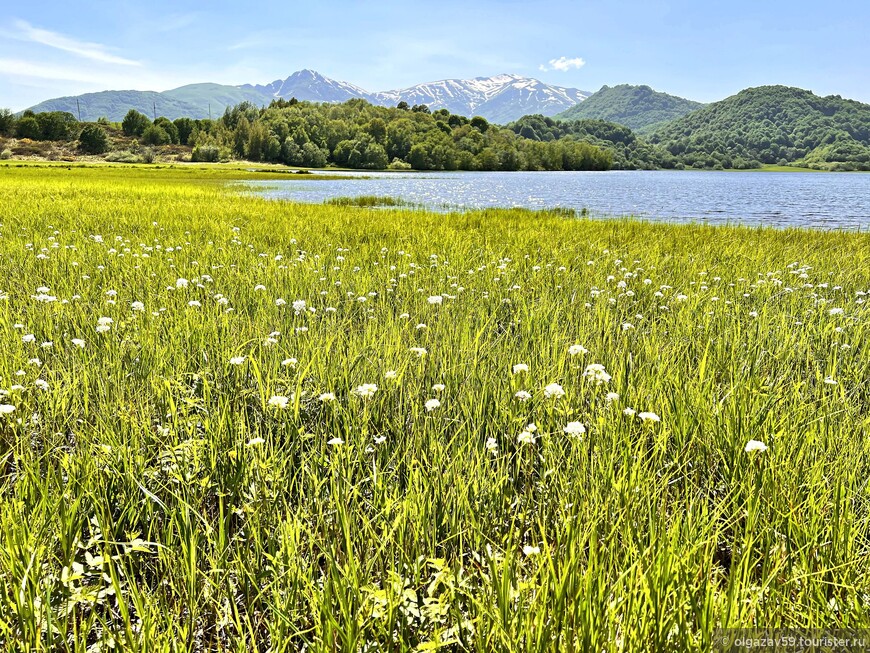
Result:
[121,157]
[93,140]
[148,155]
[6,154]
[206,154]
[398,164]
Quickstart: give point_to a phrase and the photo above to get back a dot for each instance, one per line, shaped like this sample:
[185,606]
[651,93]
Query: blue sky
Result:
[703,50]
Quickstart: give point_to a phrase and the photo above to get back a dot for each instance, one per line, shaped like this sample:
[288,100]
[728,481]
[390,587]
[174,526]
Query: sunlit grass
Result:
[214,469]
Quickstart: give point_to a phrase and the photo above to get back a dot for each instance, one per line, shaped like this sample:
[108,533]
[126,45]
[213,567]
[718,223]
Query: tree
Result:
[185,127]
[241,134]
[378,130]
[155,135]
[169,127]
[93,140]
[313,156]
[7,122]
[403,106]
[480,123]
[134,123]
[56,125]
[28,127]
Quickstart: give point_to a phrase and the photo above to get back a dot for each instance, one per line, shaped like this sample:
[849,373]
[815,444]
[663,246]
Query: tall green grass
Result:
[155,497]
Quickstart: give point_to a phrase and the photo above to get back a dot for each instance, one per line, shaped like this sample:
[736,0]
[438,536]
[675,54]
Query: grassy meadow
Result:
[233,424]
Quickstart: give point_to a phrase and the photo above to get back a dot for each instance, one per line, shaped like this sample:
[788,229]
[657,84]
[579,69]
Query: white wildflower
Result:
[554,391]
[596,373]
[574,429]
[755,445]
[279,401]
[366,390]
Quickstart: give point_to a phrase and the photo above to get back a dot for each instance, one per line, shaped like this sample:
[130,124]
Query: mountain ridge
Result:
[499,98]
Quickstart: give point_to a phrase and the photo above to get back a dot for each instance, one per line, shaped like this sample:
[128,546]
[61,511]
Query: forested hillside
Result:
[772,124]
[638,107]
[628,150]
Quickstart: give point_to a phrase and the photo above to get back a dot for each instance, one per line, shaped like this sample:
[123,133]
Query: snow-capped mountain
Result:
[499,99]
[311,86]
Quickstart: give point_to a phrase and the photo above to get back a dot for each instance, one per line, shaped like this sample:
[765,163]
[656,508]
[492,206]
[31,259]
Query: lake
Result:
[781,199]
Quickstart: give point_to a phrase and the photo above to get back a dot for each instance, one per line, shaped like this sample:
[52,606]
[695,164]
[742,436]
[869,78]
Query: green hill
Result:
[115,104]
[638,107]
[191,101]
[772,124]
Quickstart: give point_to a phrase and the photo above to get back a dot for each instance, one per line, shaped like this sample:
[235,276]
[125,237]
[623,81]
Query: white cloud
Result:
[562,64]
[78,79]
[92,51]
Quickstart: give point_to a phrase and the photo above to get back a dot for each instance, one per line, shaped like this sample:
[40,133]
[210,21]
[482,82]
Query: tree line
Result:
[354,134]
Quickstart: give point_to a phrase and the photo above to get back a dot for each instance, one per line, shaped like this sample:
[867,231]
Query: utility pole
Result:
[79,107]
[155,111]
[209,111]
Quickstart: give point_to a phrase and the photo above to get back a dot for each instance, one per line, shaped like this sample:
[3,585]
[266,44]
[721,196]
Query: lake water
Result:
[782,199]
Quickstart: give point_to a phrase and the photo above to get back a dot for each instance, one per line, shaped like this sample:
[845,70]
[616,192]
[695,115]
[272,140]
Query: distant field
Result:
[236,424]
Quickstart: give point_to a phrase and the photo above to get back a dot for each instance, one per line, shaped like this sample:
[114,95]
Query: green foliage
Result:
[51,126]
[57,126]
[206,154]
[135,123]
[28,127]
[7,122]
[359,135]
[155,135]
[184,127]
[637,107]
[169,127]
[628,151]
[122,157]
[93,139]
[769,124]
